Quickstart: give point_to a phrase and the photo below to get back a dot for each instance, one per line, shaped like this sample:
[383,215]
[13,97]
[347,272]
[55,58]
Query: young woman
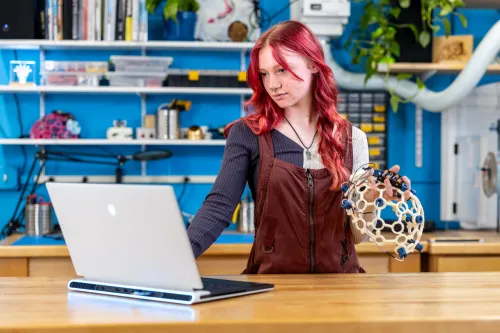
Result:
[295,151]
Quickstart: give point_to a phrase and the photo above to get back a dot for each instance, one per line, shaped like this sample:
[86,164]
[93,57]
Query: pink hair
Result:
[266,114]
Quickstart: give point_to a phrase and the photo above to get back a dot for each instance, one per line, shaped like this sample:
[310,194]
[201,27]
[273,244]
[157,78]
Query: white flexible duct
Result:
[429,100]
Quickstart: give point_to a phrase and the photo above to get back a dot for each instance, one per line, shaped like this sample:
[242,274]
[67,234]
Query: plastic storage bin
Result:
[71,79]
[376,139]
[141,64]
[206,78]
[377,153]
[75,66]
[136,79]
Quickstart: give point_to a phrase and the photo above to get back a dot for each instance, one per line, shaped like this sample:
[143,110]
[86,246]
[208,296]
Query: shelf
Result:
[125,90]
[420,68]
[33,44]
[112,142]
[482,4]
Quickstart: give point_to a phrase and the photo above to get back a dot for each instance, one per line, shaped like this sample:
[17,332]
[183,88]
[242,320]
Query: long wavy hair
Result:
[265,114]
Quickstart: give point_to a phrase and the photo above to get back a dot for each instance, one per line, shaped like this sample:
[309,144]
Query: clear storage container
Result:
[136,79]
[71,79]
[75,66]
[141,63]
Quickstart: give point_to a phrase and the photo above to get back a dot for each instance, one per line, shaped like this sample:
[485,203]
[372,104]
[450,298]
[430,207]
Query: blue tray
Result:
[40,240]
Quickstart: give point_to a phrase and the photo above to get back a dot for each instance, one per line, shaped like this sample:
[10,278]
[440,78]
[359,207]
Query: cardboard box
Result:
[457,48]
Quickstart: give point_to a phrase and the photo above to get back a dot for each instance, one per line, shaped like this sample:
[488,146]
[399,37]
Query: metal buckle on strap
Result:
[267,249]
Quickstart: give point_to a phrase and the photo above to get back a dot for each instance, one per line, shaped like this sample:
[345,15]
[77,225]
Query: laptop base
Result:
[234,289]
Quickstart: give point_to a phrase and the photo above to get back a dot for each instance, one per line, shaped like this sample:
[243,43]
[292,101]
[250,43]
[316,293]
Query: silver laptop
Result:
[130,240]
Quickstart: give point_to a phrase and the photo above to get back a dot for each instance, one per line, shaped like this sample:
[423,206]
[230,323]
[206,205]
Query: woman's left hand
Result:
[389,192]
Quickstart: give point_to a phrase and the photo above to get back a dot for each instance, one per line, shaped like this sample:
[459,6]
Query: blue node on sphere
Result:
[419,247]
[379,202]
[345,187]
[419,219]
[345,203]
[404,187]
[402,253]
[413,191]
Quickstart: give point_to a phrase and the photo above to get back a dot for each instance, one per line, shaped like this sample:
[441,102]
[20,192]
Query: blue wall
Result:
[96,113]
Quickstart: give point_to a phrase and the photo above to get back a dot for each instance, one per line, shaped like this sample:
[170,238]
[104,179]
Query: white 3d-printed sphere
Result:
[409,220]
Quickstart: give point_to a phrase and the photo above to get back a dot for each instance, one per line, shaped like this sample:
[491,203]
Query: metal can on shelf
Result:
[168,125]
[38,217]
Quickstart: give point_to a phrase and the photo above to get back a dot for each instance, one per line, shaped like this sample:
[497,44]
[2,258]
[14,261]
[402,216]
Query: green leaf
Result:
[424,38]
[395,11]
[404,3]
[447,26]
[395,102]
[171,9]
[387,60]
[445,10]
[414,30]
[195,6]
[462,19]
[377,33]
[394,48]
[404,76]
[420,83]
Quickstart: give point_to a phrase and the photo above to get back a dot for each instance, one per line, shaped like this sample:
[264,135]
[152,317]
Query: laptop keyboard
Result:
[221,286]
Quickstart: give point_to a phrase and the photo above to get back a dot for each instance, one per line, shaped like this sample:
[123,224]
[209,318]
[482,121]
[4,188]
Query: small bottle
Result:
[243,227]
[251,222]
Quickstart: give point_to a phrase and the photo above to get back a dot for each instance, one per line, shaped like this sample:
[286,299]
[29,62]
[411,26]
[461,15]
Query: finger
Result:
[407,181]
[388,187]
[407,195]
[395,168]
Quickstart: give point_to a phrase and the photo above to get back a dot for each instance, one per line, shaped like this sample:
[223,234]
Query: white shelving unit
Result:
[83,142]
[34,44]
[43,45]
[123,90]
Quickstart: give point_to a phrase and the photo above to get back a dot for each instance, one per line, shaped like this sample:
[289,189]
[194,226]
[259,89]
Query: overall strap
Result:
[266,161]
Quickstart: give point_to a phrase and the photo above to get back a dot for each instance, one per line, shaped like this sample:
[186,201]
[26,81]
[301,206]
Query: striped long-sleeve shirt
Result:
[240,166]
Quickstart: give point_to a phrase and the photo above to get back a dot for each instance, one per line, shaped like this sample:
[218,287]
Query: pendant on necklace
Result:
[308,154]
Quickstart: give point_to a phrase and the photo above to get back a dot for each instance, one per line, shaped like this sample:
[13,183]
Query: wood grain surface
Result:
[410,303]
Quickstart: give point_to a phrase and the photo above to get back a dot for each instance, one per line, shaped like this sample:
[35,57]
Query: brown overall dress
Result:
[299,223]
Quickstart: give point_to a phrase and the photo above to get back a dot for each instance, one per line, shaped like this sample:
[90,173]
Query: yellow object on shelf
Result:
[193,75]
[373,140]
[235,214]
[374,152]
[379,118]
[367,127]
[242,76]
[379,108]
[379,127]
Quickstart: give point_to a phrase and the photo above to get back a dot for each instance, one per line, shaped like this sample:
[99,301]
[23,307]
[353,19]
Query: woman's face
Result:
[283,87]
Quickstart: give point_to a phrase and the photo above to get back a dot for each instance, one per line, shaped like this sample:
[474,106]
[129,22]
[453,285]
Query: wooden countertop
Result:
[379,303]
[489,246]
[6,250]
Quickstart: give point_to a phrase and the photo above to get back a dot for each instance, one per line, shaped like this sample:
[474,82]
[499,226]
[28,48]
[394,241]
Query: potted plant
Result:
[376,43]
[178,18]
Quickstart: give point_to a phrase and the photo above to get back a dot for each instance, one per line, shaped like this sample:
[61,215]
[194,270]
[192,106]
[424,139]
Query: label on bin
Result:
[367,127]
[193,75]
[374,151]
[379,127]
[242,76]
[379,118]
[379,108]
[374,140]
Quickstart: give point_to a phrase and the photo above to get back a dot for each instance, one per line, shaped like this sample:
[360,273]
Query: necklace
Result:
[308,153]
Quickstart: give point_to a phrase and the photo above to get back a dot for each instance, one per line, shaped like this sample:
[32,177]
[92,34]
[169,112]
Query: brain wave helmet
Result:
[408,225]
[56,125]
